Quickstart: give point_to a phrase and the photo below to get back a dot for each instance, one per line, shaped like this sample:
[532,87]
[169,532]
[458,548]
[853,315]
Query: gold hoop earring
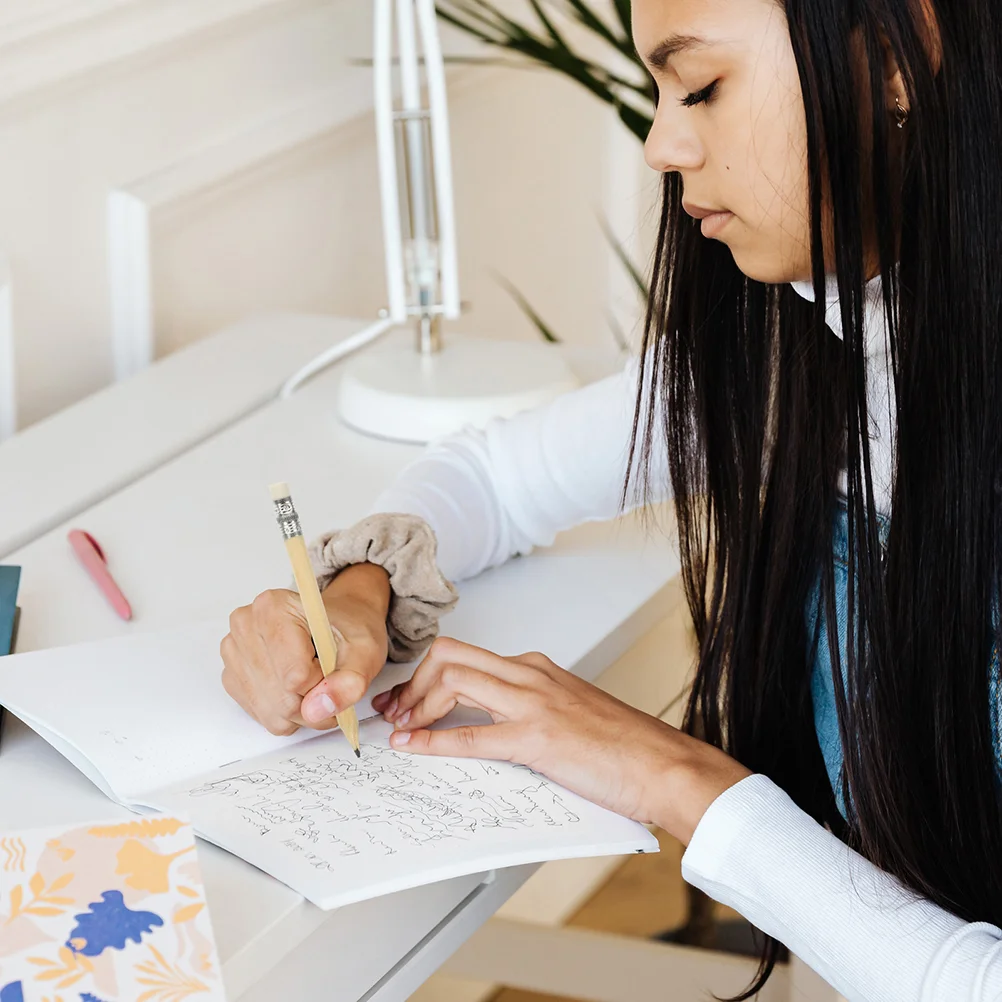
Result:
[900,113]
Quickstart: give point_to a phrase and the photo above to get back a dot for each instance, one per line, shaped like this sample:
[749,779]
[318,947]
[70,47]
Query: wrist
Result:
[697,775]
[365,584]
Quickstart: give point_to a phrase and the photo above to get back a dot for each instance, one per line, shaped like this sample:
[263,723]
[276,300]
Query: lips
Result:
[713,220]
[698,211]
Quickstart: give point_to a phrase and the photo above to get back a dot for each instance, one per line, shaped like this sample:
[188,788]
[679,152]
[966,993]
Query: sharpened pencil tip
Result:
[358,753]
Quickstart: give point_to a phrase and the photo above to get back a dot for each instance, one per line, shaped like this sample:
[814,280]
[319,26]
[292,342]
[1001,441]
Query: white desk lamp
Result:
[419,395]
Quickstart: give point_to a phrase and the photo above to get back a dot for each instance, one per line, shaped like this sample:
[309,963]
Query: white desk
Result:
[194,538]
[75,458]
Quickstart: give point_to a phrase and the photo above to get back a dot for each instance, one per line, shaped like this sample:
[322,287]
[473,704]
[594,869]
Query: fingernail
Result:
[403,720]
[320,707]
[392,708]
[401,738]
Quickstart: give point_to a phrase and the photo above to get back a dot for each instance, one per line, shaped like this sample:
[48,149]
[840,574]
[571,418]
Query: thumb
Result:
[341,689]
[359,661]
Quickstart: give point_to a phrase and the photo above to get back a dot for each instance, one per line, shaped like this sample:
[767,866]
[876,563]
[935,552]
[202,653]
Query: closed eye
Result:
[700,96]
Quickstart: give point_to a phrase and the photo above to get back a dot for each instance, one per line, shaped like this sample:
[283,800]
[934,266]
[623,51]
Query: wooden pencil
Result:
[313,603]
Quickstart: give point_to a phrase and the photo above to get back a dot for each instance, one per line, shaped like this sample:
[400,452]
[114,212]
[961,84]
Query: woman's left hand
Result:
[566,729]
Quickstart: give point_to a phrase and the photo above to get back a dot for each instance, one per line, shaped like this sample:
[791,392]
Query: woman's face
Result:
[730,120]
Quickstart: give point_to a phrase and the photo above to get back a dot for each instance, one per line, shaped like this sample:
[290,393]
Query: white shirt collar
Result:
[873,310]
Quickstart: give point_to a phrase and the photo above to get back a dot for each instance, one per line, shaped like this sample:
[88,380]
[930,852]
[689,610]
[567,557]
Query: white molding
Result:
[132,209]
[80,37]
[130,282]
[18,24]
[8,375]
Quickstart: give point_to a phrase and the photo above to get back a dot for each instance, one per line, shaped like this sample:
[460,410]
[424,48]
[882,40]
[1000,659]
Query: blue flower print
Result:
[109,924]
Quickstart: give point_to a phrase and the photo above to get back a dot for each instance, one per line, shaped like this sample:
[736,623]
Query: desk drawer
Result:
[357,945]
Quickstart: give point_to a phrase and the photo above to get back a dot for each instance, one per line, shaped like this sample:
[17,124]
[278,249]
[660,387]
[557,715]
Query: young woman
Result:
[821,391]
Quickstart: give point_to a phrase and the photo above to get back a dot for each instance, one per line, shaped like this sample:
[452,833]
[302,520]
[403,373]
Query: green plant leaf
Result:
[638,123]
[524,305]
[482,20]
[625,14]
[583,13]
[548,25]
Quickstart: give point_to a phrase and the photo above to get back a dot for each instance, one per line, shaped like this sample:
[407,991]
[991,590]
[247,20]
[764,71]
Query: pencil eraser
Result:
[279,491]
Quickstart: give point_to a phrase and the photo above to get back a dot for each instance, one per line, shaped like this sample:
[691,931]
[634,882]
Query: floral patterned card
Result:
[105,913]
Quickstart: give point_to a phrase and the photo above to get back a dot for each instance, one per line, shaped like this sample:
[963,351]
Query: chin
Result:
[763,268]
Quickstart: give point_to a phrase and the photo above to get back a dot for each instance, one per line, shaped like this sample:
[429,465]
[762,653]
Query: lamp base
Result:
[406,396]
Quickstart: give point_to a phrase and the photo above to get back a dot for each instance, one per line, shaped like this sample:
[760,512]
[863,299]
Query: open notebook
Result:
[146,719]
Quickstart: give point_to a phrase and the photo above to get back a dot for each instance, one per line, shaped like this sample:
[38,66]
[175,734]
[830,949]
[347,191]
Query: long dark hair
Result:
[763,406]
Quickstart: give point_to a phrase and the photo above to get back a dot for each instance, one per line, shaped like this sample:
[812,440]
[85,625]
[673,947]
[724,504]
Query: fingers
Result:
[281,624]
[269,661]
[444,653]
[492,741]
[248,679]
[459,685]
[231,679]
[382,701]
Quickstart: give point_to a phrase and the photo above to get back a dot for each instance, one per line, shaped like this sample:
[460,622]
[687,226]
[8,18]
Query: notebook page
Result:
[339,829]
[144,710]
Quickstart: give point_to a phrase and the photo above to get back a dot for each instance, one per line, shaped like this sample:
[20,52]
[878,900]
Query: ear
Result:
[895,92]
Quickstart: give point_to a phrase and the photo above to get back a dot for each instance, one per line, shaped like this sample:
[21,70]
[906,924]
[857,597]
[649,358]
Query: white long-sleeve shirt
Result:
[490,495]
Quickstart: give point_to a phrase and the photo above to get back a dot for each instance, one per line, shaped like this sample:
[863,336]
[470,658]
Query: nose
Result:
[672,145]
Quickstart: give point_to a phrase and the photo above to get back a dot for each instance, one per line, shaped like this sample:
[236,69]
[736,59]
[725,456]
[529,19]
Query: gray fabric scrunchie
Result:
[405,547]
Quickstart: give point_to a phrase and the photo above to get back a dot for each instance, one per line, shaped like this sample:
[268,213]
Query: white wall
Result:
[195,105]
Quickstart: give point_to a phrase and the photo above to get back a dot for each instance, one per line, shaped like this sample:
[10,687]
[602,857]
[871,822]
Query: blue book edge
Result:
[10,579]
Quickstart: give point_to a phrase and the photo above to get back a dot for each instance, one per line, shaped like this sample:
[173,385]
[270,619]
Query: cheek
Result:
[774,243]
[777,166]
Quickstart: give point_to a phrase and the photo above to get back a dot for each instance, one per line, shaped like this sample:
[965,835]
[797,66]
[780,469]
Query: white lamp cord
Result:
[415,23]
[334,354]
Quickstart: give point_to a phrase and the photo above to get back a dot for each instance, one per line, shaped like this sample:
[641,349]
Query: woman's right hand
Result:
[270,666]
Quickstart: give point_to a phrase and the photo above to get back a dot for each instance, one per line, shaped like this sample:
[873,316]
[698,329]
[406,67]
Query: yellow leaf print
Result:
[188,912]
[188,892]
[167,983]
[146,869]
[74,966]
[59,883]
[63,852]
[147,828]
[43,903]
[16,898]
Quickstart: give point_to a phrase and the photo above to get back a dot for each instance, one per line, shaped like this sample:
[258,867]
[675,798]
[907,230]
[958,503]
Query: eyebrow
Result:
[673,45]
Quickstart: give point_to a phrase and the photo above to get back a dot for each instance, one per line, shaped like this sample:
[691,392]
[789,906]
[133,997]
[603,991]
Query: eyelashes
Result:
[700,96]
